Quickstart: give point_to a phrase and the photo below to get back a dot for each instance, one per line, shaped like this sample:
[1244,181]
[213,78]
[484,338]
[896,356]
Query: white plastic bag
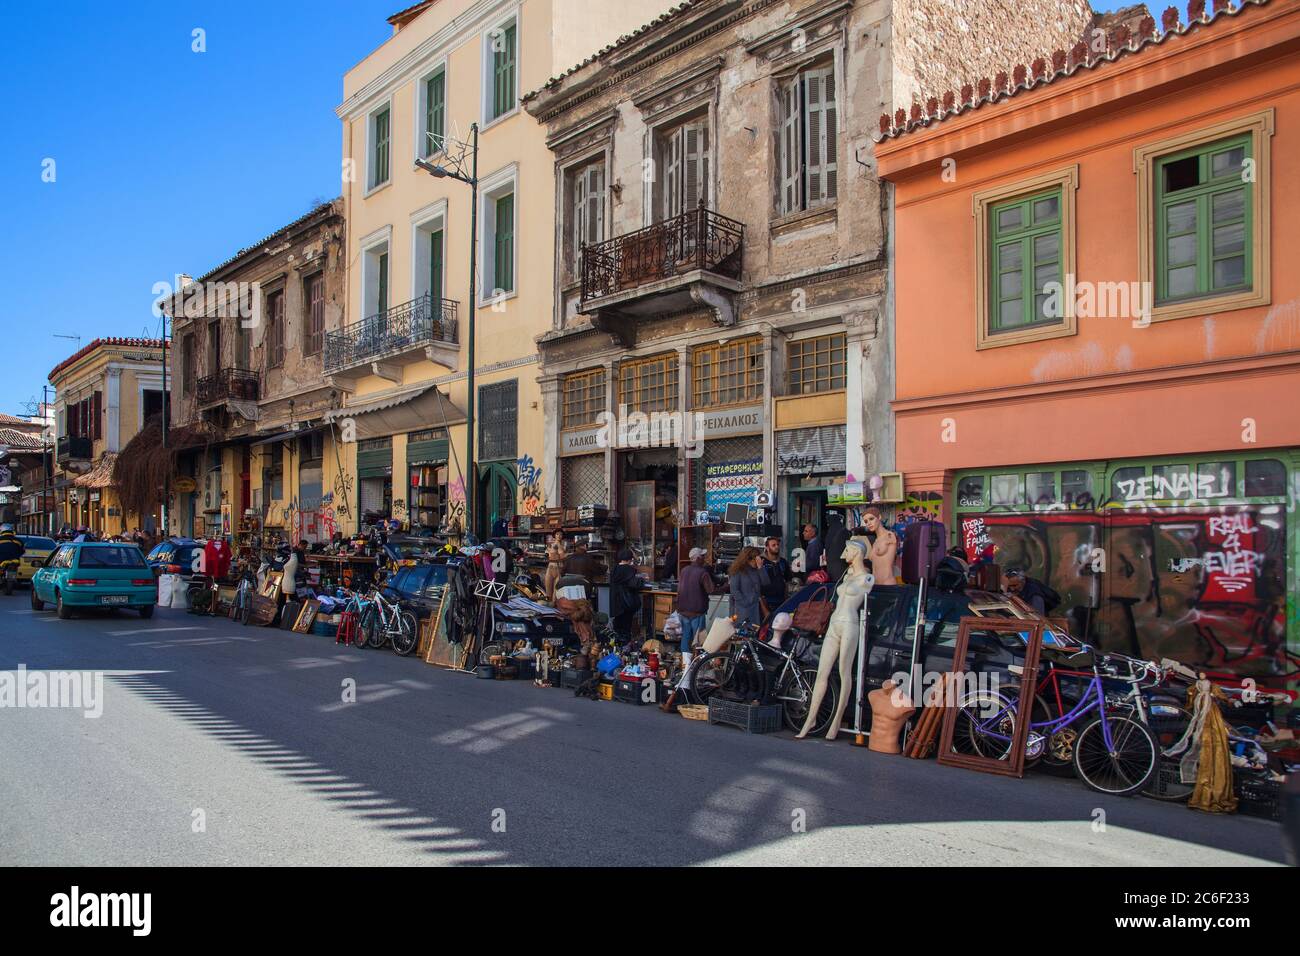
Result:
[171,591]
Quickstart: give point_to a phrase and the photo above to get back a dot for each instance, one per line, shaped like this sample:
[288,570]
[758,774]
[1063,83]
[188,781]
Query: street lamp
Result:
[470,178]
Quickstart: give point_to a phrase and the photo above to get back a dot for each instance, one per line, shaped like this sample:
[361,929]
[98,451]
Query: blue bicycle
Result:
[1113,751]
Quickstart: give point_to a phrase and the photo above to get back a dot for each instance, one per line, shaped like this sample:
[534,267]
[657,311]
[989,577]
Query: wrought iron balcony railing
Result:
[237,384]
[413,324]
[71,448]
[699,239]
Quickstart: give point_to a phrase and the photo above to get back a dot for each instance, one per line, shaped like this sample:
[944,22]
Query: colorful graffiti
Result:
[456,504]
[530,486]
[1205,586]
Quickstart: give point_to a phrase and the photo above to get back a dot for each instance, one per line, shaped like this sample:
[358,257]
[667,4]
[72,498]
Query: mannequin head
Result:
[871,520]
[855,552]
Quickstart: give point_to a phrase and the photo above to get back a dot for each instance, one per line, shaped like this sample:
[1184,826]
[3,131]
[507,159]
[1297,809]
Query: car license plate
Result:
[114,599]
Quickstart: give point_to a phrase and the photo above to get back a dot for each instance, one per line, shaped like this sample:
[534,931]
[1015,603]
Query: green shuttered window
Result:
[1026,241]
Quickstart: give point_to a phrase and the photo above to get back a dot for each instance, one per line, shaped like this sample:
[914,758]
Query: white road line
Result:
[153,630]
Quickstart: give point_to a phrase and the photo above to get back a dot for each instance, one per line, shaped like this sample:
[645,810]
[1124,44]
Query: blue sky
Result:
[166,160]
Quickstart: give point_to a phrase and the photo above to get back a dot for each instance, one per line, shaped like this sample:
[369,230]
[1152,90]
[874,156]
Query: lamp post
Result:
[470,178]
[166,403]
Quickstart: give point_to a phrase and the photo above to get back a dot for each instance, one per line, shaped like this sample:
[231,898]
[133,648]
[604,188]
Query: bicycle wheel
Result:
[365,626]
[985,725]
[1121,771]
[722,672]
[796,697]
[407,634]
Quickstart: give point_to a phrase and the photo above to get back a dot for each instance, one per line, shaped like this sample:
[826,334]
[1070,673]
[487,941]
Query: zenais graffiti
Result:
[1205,586]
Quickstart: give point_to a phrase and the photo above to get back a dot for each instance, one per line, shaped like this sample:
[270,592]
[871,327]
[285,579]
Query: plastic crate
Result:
[751,718]
[574,679]
[630,691]
[1257,797]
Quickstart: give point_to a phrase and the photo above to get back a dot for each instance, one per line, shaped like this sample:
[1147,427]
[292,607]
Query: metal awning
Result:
[397,410]
[284,436]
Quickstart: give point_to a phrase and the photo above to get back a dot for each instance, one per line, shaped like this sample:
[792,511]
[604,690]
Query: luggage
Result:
[924,546]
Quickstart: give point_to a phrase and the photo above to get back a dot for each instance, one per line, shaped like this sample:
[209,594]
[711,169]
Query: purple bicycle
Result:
[1114,752]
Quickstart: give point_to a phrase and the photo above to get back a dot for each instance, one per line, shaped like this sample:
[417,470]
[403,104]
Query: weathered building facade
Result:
[249,390]
[721,250]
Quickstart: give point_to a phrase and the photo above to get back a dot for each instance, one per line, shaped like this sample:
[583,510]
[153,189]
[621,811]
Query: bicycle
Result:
[241,606]
[384,620]
[742,671]
[1113,753]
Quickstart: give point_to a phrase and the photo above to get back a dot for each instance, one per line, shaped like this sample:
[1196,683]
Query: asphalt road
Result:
[220,744]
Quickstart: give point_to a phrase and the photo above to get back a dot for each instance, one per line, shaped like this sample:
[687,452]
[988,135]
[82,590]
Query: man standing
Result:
[693,589]
[813,550]
[775,574]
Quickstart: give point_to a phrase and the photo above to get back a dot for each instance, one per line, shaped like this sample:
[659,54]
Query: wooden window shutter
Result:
[695,165]
[503,271]
[790,159]
[383,282]
[97,416]
[435,109]
[595,203]
[819,135]
[672,175]
[435,269]
[579,210]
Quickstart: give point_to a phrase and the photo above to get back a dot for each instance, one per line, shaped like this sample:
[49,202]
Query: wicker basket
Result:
[694,711]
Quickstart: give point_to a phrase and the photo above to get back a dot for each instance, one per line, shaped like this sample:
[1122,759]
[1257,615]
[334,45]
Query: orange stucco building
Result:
[1097,280]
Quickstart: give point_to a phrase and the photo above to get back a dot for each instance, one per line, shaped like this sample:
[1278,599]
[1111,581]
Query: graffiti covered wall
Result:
[1204,586]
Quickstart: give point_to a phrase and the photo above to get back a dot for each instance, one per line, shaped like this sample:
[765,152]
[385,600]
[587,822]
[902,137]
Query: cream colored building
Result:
[106,391]
[402,358]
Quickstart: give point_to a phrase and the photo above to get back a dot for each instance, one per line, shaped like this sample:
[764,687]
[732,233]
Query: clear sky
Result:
[166,160]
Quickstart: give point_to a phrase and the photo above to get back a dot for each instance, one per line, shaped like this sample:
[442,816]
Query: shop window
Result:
[1024,244]
[1076,489]
[582,481]
[582,398]
[649,385]
[816,365]
[498,408]
[970,492]
[1203,231]
[1216,479]
[1005,490]
[730,374]
[1265,477]
[1170,481]
[1040,488]
[273,473]
[1129,484]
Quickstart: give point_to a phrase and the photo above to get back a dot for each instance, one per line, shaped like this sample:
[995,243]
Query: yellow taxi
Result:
[38,548]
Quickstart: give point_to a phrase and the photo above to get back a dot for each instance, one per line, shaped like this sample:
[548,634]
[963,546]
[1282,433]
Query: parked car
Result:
[176,556]
[38,548]
[417,587]
[95,574]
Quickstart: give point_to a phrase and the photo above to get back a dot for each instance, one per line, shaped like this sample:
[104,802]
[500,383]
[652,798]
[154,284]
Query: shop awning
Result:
[397,410]
[283,436]
[101,476]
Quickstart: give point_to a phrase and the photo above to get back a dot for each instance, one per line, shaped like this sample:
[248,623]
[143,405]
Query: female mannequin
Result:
[554,564]
[840,647]
[885,549]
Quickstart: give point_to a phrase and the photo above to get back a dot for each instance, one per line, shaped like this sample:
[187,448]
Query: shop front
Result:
[374,479]
[426,474]
[809,461]
[1190,558]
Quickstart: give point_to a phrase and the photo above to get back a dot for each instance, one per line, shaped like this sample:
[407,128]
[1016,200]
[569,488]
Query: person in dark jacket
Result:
[746,585]
[813,550]
[693,589]
[1033,592]
[776,573]
[624,595]
[835,540]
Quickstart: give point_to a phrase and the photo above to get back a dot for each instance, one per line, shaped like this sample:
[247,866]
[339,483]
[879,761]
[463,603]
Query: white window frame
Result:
[425,222]
[487,66]
[655,194]
[371,115]
[421,103]
[371,248]
[491,188]
[572,175]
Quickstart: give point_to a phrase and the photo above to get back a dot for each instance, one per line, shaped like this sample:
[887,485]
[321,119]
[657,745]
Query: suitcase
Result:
[924,545]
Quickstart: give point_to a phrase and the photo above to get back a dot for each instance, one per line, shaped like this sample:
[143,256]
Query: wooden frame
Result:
[1260,126]
[306,617]
[271,586]
[984,200]
[1014,766]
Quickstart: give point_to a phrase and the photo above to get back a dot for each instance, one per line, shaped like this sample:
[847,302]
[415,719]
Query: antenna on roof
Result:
[58,336]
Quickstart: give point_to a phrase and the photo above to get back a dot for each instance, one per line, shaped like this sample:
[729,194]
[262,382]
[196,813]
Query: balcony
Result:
[71,448]
[228,385]
[688,261]
[382,343]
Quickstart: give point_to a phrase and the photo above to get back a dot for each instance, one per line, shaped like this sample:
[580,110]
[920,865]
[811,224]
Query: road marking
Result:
[152,630]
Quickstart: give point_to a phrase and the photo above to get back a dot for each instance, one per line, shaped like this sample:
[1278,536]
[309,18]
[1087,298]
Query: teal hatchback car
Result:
[95,574]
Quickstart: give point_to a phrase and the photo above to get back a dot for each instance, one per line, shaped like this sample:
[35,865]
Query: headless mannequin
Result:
[840,646]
